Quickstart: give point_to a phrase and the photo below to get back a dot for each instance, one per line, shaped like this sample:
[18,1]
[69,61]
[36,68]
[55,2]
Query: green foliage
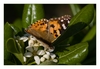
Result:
[67,55]
[15,49]
[31,13]
[75,8]
[73,54]
[8,33]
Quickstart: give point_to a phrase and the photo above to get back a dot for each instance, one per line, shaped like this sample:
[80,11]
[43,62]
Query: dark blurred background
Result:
[14,11]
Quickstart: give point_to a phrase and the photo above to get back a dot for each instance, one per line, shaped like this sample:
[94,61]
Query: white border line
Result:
[49,2]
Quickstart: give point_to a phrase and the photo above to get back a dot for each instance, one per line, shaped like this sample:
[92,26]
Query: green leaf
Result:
[85,15]
[22,45]
[7,62]
[90,61]
[90,34]
[18,23]
[8,33]
[75,8]
[92,47]
[31,13]
[94,20]
[32,63]
[15,29]
[16,26]
[78,22]
[15,49]
[11,46]
[73,54]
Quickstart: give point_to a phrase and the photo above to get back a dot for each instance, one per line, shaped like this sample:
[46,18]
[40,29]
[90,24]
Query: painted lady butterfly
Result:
[47,31]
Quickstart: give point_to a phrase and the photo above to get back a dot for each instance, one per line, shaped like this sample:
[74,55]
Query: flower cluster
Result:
[37,50]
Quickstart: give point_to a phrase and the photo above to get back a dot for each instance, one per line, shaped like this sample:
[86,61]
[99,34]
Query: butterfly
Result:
[47,31]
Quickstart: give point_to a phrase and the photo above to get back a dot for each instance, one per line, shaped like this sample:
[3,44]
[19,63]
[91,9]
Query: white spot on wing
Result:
[68,21]
[62,20]
[64,27]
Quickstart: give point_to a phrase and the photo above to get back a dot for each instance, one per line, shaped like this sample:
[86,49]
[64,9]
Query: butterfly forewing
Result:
[49,30]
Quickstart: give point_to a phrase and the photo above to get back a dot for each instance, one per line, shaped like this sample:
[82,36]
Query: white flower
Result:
[46,56]
[24,58]
[30,42]
[52,55]
[47,52]
[40,52]
[32,38]
[37,59]
[42,59]
[36,44]
[29,48]
[28,54]
[24,38]
[33,41]
[55,60]
[33,50]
